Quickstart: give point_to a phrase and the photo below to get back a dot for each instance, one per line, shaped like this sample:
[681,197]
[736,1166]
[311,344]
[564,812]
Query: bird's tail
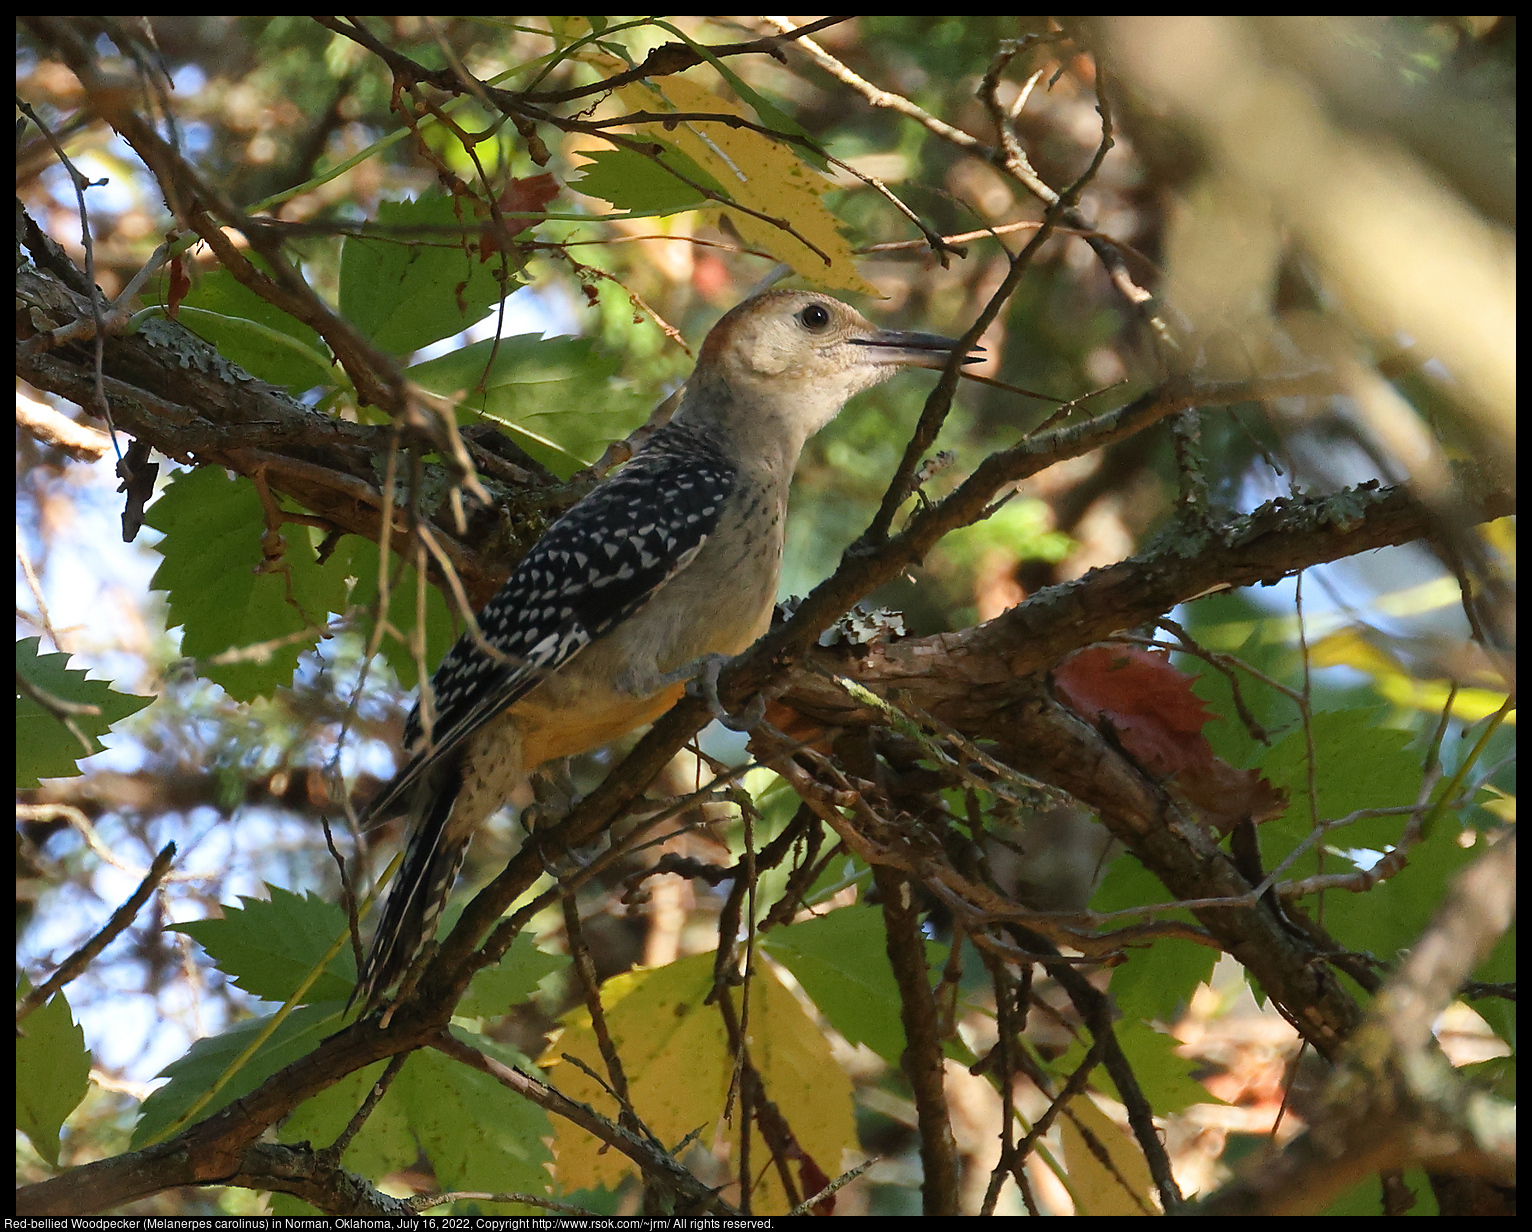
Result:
[415,901]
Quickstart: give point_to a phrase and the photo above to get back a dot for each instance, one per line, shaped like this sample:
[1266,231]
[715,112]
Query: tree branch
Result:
[1394,1101]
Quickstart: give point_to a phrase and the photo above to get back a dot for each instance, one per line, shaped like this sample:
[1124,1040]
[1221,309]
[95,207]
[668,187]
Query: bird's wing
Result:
[597,565]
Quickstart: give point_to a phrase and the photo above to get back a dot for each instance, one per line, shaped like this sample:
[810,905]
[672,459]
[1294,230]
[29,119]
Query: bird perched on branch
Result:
[669,565]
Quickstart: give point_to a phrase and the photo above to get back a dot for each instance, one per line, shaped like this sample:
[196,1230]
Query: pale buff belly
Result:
[719,605]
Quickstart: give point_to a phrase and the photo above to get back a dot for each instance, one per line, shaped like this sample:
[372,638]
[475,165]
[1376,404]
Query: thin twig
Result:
[76,963]
[591,991]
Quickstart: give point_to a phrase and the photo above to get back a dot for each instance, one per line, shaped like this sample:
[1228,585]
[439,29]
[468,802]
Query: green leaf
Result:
[1020,527]
[268,947]
[523,361]
[841,960]
[384,1144]
[358,558]
[1234,624]
[1359,765]
[1163,1076]
[495,990]
[1157,981]
[477,1135]
[554,394]
[190,1076]
[212,548]
[45,747]
[408,291]
[1129,884]
[52,1071]
[1392,915]
[1497,1075]
[255,334]
[633,181]
[1367,1198]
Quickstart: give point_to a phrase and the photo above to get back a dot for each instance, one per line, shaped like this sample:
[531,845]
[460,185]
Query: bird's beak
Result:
[914,350]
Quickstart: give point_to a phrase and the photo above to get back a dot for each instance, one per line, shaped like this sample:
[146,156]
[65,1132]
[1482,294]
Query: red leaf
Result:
[529,195]
[1150,708]
[812,1178]
[1149,704]
[524,196]
[180,287]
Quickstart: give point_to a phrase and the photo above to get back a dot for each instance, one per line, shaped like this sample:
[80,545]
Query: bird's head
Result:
[794,357]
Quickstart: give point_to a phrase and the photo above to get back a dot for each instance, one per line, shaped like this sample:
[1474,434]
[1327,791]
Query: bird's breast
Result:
[720,603]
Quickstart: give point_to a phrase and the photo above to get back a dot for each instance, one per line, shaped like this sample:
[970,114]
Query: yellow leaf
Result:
[1096,1188]
[1432,596]
[765,175]
[1352,648]
[675,1053]
[567,29]
[1349,648]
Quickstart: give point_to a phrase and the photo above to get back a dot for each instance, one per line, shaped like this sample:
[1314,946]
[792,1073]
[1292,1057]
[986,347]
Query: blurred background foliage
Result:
[268,107]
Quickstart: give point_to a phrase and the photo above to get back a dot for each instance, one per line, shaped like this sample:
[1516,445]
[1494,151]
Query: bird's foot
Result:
[701,677]
[703,683]
[555,796]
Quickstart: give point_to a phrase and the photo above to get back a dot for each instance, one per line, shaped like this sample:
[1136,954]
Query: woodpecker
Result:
[670,562]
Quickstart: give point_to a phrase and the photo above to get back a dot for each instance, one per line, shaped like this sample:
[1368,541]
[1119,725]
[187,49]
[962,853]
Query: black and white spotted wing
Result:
[595,566]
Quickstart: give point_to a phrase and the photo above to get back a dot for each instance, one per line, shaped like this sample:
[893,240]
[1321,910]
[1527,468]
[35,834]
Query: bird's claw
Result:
[556,795]
[701,677]
[703,684]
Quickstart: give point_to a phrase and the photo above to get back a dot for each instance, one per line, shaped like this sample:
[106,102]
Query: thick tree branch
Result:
[174,391]
[1394,1101]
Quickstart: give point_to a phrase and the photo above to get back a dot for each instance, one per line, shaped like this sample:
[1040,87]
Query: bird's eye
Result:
[815,317]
